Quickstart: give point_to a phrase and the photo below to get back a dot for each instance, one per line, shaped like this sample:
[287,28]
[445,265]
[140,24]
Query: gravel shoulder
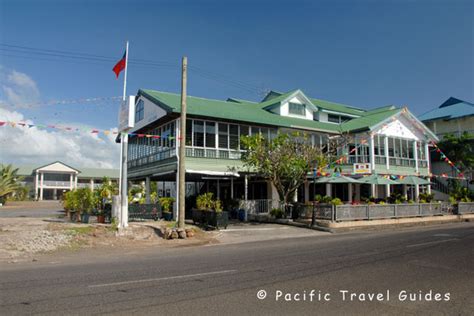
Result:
[29,239]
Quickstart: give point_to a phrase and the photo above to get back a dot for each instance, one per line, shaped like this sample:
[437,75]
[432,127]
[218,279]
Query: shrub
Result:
[336,201]
[277,213]
[166,203]
[326,199]
[426,197]
[318,198]
[205,201]
[217,205]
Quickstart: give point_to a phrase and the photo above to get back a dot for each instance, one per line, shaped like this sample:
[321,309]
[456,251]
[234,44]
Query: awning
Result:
[377,179]
[413,180]
[213,173]
[337,179]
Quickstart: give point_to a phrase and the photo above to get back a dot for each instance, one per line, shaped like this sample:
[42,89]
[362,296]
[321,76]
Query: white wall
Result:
[284,109]
[401,127]
[152,113]
[322,116]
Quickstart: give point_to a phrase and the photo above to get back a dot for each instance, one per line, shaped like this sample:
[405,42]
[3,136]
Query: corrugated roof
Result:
[257,113]
[367,121]
[275,96]
[450,109]
[337,107]
[27,170]
[244,112]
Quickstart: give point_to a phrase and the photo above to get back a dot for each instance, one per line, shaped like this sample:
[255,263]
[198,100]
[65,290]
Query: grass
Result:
[86,230]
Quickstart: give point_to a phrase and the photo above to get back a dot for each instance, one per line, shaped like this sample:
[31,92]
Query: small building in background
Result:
[454,116]
[51,181]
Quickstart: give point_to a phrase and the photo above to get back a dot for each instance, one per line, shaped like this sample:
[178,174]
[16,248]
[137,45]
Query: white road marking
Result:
[432,242]
[442,235]
[164,278]
[253,229]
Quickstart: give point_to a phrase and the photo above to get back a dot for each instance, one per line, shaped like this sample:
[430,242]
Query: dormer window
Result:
[297,109]
[139,111]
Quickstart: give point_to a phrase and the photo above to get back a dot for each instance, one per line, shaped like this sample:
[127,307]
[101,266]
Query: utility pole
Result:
[182,144]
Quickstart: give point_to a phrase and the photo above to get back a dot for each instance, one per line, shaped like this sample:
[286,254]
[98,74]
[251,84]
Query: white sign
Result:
[127,114]
[360,168]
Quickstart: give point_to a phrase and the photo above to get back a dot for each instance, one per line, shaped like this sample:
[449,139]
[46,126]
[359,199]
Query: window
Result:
[244,130]
[198,133]
[223,135]
[139,111]
[296,109]
[211,134]
[233,136]
[189,132]
[333,118]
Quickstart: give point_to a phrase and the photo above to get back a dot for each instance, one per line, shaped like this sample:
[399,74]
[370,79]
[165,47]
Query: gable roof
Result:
[452,108]
[28,170]
[274,96]
[57,162]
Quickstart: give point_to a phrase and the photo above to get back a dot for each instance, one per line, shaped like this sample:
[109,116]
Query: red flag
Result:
[120,65]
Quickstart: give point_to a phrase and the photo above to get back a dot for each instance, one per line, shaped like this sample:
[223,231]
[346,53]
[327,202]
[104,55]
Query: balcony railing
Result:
[212,153]
[162,155]
[62,184]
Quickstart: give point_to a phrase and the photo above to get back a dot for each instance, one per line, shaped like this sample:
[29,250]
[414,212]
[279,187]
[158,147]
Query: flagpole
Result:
[125,77]
[123,220]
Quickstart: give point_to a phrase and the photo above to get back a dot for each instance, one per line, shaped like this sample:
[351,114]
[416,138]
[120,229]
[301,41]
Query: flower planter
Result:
[85,218]
[198,216]
[101,219]
[211,218]
[168,216]
[218,219]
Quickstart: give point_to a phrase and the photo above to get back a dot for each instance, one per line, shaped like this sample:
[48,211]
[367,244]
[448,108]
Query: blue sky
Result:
[362,53]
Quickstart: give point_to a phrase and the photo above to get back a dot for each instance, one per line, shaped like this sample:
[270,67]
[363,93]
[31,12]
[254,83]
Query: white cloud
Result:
[33,146]
[19,89]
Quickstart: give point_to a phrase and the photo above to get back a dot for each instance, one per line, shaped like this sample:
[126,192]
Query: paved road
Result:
[225,279]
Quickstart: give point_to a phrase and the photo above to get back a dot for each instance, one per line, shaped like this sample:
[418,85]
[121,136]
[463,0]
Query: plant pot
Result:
[72,216]
[85,218]
[198,216]
[101,219]
[168,216]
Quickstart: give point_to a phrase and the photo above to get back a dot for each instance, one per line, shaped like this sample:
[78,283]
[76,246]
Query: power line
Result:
[27,52]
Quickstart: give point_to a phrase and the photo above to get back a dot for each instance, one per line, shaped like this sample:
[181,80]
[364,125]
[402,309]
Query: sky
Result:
[361,53]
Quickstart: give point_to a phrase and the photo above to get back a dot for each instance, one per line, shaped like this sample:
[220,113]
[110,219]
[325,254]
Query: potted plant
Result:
[209,211]
[166,205]
[84,203]
[277,213]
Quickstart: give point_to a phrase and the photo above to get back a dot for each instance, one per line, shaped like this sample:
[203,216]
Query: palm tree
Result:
[9,181]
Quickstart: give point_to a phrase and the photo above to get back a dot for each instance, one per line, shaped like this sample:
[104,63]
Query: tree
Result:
[285,160]
[460,150]
[9,181]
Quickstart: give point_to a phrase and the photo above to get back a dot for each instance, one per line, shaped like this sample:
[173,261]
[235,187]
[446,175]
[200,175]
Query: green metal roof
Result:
[244,112]
[275,96]
[27,170]
[367,121]
[257,113]
[337,107]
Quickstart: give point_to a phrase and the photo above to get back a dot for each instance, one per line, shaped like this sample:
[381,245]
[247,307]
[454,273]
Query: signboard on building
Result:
[361,168]
[127,114]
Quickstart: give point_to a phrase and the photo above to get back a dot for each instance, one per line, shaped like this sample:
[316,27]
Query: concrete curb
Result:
[331,227]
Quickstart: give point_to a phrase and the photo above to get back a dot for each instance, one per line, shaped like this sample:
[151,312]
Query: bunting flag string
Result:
[83,129]
[71,101]
[447,160]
